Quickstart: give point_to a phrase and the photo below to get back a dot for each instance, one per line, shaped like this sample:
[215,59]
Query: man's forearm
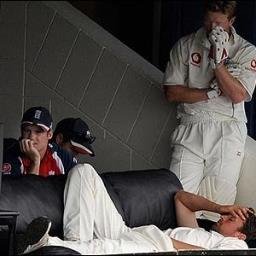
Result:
[180,93]
[229,85]
[186,204]
[34,167]
[178,245]
[195,202]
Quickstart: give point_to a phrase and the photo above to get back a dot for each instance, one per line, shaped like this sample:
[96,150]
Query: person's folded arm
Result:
[178,245]
[186,204]
[181,93]
[230,86]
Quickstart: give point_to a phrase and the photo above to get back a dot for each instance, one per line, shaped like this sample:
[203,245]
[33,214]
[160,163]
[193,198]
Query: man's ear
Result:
[59,138]
[240,235]
[49,134]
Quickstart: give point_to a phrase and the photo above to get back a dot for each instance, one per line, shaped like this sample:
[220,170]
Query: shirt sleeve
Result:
[247,76]
[70,163]
[67,159]
[177,68]
[12,164]
[230,243]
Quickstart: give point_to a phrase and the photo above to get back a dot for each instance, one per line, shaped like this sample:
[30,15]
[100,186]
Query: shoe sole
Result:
[36,234]
[42,242]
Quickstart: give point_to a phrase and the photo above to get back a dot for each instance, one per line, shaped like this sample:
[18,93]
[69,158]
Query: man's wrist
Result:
[217,208]
[35,160]
[216,65]
[220,64]
[34,166]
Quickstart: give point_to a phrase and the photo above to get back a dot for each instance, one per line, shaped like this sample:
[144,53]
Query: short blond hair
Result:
[226,7]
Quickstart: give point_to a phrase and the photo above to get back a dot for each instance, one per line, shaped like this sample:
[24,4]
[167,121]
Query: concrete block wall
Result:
[53,55]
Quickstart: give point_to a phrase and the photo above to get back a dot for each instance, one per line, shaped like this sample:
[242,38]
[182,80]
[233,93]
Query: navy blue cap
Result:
[38,116]
[78,133]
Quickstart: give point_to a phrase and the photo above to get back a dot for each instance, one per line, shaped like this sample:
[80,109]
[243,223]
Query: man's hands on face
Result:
[234,210]
[219,46]
[27,147]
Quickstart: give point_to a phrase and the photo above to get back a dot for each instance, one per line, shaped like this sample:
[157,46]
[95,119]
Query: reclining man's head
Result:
[232,226]
[249,228]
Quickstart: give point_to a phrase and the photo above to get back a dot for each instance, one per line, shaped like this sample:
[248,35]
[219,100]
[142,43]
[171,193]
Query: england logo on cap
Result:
[38,114]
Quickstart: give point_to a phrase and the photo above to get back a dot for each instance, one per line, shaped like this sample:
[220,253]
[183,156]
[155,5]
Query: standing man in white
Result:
[210,74]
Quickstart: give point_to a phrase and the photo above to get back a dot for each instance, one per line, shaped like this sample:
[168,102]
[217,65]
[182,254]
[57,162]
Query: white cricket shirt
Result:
[208,240]
[189,66]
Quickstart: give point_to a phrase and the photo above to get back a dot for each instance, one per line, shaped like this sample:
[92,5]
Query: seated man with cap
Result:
[32,153]
[73,135]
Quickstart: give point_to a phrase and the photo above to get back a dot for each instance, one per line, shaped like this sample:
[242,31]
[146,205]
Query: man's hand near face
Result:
[219,46]
[234,210]
[27,147]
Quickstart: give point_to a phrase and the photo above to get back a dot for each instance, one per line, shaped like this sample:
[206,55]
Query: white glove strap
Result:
[215,87]
[212,94]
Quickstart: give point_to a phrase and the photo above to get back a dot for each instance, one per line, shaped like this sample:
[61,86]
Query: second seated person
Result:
[74,135]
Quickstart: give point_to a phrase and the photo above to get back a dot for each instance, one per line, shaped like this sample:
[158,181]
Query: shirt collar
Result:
[234,37]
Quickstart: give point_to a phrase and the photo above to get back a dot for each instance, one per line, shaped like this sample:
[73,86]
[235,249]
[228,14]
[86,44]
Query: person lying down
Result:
[92,224]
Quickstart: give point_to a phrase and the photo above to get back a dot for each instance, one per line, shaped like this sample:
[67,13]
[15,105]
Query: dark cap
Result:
[38,116]
[78,133]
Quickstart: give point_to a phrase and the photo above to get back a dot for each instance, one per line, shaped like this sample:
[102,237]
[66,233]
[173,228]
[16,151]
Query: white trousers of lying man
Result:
[92,224]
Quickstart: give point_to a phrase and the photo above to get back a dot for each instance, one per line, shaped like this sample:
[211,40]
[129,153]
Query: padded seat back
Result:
[144,197]
[33,196]
[141,197]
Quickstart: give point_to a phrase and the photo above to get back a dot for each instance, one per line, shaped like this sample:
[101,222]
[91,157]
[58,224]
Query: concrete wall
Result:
[53,55]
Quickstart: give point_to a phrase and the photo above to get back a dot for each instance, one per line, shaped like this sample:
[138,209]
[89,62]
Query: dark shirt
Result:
[56,160]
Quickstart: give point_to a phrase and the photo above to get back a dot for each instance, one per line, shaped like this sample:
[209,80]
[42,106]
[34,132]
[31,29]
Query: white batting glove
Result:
[214,86]
[219,46]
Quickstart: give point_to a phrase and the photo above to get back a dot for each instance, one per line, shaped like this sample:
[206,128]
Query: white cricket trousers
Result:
[92,224]
[207,157]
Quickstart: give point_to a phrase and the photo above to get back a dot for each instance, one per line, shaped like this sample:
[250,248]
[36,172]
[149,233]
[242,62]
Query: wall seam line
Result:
[160,135]
[43,42]
[24,58]
[115,93]
[67,59]
[91,76]
[139,113]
